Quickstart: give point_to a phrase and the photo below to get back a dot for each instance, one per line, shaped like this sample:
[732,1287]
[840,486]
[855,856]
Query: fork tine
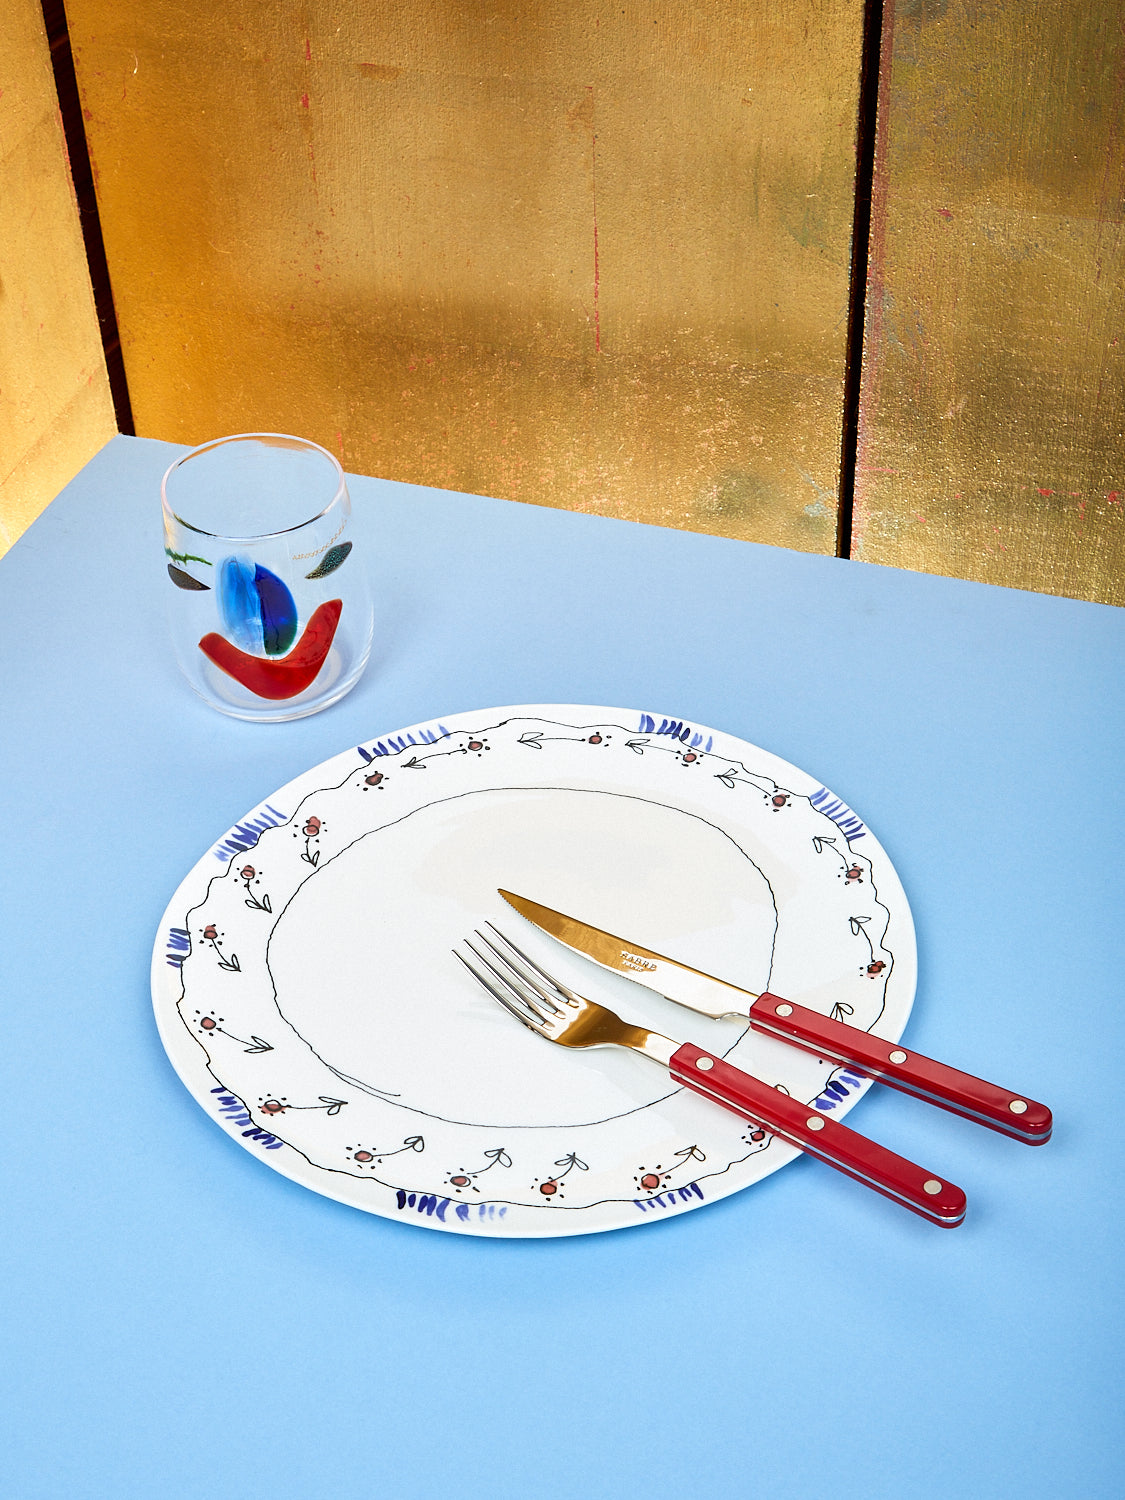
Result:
[523,1013]
[526,980]
[508,975]
[504,980]
[555,984]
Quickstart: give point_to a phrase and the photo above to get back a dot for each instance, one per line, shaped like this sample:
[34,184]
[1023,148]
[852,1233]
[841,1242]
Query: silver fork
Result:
[554,1011]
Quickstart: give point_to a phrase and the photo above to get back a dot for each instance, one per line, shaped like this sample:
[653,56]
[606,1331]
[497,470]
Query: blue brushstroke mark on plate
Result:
[838,1088]
[234,1112]
[246,834]
[842,815]
[178,946]
[434,1206]
[393,744]
[677,729]
[670,1198]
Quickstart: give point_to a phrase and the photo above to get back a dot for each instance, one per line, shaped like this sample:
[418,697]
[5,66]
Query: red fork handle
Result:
[926,1194]
[937,1083]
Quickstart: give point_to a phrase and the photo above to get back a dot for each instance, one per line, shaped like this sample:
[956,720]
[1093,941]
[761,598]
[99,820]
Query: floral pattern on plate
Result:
[306,991]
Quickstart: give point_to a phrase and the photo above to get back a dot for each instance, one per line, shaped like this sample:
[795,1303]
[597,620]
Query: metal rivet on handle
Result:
[931,1187]
[898,1056]
[816,1123]
[784,1010]
[1018,1106]
[705,1063]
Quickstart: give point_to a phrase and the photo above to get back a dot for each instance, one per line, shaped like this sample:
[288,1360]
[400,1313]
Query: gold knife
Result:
[937,1083]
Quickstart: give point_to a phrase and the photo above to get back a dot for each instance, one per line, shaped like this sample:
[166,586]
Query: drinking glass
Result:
[268,601]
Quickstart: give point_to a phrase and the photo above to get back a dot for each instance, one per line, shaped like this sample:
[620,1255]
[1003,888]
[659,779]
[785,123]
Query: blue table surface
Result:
[182,1321]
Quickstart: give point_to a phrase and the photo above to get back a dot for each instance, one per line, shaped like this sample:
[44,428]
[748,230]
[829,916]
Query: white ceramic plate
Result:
[306,991]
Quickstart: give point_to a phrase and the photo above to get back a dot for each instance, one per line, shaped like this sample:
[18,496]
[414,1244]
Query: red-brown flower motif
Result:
[311,828]
[249,879]
[211,933]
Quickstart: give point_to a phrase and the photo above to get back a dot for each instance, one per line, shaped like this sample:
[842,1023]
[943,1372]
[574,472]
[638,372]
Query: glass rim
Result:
[278,439]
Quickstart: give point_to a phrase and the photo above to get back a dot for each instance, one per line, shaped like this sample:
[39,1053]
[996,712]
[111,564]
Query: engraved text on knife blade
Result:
[634,961]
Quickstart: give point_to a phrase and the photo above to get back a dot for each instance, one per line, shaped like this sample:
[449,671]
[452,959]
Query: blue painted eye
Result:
[257,608]
[238,600]
[279,612]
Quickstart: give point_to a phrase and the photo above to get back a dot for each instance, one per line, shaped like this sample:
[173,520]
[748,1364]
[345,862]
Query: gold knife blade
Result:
[938,1083]
[675,981]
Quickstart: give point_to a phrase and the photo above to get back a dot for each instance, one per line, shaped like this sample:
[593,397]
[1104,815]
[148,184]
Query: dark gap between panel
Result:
[70,108]
[857,287]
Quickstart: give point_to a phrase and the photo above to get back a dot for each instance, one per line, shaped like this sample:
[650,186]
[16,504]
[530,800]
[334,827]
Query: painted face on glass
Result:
[259,646]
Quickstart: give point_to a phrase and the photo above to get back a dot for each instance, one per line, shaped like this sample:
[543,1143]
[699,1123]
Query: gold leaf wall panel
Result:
[577,254]
[55,406]
[993,408]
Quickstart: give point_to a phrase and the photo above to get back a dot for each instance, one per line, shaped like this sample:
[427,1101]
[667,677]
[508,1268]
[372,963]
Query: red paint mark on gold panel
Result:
[582,118]
[597,273]
[594,201]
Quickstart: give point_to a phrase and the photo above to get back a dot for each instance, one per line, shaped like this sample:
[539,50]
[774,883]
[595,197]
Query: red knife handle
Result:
[848,1151]
[1013,1114]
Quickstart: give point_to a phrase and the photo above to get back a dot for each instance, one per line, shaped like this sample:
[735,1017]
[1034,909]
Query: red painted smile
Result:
[286,676]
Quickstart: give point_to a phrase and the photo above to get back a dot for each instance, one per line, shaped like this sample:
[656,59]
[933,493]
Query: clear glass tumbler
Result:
[269,606]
